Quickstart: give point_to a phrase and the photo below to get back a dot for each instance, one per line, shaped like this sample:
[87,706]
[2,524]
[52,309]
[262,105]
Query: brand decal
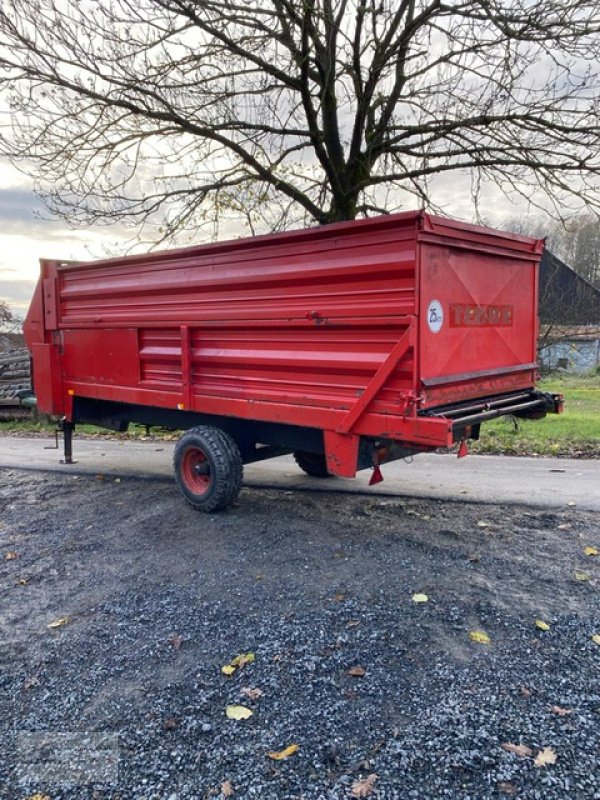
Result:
[435,316]
[467,315]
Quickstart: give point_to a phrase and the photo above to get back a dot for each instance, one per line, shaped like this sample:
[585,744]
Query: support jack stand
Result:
[66,428]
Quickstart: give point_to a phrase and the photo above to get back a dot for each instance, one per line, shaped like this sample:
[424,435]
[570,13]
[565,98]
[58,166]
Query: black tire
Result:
[314,464]
[208,468]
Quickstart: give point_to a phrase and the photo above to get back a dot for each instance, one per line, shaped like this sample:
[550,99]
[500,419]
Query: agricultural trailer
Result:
[348,345]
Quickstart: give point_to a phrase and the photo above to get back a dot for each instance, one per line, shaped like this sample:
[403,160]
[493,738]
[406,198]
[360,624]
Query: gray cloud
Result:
[19,205]
[17,293]
[21,215]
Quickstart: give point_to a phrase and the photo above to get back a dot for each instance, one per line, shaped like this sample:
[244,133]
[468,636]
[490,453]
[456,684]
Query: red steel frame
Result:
[323,328]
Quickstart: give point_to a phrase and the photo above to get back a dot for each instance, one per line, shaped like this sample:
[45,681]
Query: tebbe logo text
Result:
[465,315]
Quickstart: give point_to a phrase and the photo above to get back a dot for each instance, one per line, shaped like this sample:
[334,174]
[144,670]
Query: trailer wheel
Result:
[208,468]
[314,464]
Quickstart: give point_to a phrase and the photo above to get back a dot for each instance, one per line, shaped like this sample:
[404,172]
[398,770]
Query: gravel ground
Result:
[127,699]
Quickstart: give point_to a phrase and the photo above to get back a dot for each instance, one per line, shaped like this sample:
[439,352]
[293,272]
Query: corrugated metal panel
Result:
[364,274]
[279,322]
[160,356]
[325,366]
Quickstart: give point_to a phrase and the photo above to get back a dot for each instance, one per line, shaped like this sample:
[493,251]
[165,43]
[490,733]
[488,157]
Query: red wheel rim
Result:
[195,470]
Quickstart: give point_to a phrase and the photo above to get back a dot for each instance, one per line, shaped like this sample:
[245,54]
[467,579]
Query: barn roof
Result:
[565,297]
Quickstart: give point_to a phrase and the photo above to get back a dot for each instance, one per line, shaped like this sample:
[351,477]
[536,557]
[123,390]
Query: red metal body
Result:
[357,329]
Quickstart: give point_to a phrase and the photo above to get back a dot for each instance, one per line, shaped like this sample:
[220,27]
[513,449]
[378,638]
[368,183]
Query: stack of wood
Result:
[15,376]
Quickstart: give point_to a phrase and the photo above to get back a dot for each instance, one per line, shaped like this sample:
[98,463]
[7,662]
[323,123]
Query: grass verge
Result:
[27,427]
[574,434]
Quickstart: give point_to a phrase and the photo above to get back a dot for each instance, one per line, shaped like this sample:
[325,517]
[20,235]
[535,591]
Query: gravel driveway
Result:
[125,697]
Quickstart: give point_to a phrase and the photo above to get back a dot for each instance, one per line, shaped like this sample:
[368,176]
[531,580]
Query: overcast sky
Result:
[26,233]
[26,236]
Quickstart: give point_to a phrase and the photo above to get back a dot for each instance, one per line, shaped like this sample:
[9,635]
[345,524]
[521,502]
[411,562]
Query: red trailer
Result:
[349,345]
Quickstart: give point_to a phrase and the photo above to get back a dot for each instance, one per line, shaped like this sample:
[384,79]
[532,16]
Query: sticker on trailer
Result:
[435,316]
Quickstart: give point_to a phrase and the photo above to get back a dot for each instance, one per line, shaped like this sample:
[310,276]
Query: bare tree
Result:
[9,321]
[586,249]
[186,112]
[576,240]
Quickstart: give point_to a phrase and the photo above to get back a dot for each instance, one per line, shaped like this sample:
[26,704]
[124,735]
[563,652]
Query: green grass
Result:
[29,427]
[574,433]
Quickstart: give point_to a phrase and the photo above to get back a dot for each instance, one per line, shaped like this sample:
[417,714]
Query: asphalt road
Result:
[542,482]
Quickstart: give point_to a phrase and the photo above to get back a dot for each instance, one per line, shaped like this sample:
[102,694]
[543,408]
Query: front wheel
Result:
[208,468]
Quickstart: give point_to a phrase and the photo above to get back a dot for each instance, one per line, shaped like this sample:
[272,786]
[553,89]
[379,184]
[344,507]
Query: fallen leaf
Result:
[339,597]
[525,691]
[22,581]
[281,755]
[352,623]
[242,659]
[253,694]
[543,626]
[562,712]
[420,598]
[591,551]
[227,789]
[238,712]
[545,757]
[474,559]
[38,796]
[596,638]
[176,642]
[364,787]
[170,724]
[30,682]
[507,788]
[238,662]
[581,576]
[58,623]
[357,671]
[518,749]
[480,637]
[100,477]
[10,556]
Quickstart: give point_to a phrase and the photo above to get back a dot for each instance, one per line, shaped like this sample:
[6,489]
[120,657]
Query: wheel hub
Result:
[195,469]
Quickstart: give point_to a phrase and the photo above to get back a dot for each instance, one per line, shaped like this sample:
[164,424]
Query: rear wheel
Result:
[208,468]
[314,464]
